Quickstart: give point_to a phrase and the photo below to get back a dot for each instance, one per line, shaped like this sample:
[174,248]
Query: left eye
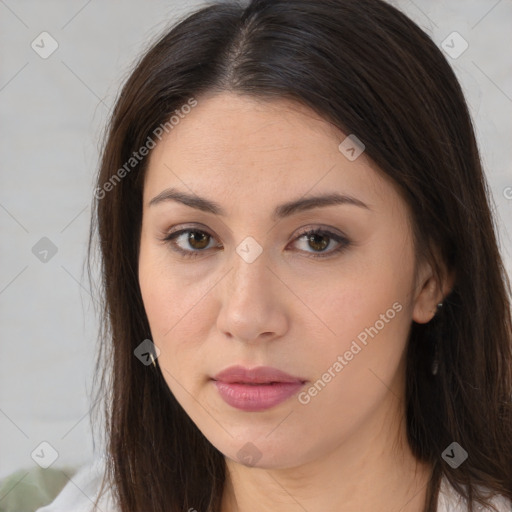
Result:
[199,241]
[320,239]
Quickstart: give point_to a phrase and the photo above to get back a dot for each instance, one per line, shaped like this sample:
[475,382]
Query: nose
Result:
[252,301]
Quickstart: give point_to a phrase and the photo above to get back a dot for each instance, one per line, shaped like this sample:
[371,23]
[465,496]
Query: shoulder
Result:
[451,501]
[80,493]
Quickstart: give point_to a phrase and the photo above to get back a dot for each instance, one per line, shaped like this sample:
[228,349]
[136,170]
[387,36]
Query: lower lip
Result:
[256,397]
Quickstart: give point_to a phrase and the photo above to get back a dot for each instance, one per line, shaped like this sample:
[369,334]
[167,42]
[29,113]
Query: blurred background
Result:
[61,66]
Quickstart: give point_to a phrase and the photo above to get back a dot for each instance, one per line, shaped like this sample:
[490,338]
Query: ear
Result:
[429,293]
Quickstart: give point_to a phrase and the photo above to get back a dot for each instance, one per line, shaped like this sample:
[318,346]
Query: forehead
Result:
[259,150]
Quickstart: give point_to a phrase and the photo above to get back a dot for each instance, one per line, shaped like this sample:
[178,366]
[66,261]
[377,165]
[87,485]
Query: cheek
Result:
[367,318]
[173,322]
[366,299]
[357,370]
[178,312]
[366,326]
[166,296]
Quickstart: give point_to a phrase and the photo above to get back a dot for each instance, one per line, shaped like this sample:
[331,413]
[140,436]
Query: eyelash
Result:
[343,242]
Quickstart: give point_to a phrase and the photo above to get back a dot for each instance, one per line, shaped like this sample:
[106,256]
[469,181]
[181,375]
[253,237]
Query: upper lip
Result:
[259,375]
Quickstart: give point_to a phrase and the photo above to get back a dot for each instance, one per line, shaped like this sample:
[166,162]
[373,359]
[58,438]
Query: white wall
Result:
[52,111]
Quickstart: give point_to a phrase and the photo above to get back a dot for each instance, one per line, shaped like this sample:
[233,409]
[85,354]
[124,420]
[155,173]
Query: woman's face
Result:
[245,286]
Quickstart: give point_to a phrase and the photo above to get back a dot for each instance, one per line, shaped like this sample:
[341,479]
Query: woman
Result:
[306,308]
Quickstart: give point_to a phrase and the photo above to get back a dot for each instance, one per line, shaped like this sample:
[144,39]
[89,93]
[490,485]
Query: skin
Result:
[345,450]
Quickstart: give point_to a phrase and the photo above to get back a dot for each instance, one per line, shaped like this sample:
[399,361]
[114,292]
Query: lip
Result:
[256,389]
[258,375]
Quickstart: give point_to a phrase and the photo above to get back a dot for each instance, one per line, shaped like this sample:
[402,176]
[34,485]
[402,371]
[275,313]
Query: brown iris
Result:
[202,239]
[313,239]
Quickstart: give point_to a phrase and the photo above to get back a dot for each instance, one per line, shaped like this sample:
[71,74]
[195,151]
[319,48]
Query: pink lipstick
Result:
[256,389]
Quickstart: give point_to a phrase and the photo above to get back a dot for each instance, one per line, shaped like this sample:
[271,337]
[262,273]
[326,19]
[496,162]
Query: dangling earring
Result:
[152,359]
[435,362]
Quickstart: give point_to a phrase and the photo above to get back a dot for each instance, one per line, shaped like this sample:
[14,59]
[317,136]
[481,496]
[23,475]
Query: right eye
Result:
[197,239]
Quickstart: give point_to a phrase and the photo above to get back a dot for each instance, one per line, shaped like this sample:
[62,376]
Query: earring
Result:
[437,330]
[435,364]
[152,359]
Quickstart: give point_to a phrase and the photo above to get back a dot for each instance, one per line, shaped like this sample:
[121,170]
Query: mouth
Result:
[257,389]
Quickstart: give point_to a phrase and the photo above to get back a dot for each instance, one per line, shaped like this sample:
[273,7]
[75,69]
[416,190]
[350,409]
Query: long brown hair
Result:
[368,69]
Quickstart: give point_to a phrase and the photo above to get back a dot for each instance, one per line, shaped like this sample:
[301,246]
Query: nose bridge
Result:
[250,276]
[250,301]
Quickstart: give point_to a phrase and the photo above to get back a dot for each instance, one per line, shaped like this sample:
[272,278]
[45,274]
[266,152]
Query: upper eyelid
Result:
[303,231]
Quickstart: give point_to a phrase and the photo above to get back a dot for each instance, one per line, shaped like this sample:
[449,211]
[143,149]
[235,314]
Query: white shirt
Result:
[80,492]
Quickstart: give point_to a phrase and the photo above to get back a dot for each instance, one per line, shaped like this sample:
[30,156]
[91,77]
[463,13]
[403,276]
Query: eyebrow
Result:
[283,210]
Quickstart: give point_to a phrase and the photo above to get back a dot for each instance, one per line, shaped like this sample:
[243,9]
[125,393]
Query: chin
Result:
[258,452]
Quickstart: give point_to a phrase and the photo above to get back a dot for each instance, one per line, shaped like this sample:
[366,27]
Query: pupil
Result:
[193,239]
[320,246]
